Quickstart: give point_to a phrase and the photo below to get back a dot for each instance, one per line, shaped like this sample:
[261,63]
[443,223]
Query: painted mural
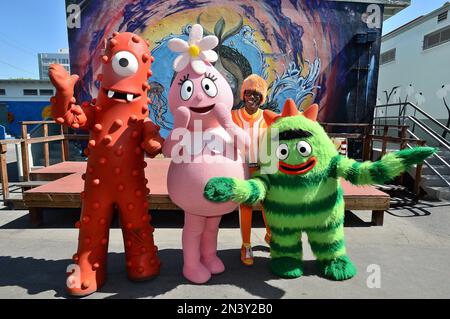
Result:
[19,111]
[305,49]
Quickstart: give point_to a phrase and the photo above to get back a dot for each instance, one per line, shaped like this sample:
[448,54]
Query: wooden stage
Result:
[65,185]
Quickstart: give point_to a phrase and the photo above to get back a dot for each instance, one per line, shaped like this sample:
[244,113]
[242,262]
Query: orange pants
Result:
[245,217]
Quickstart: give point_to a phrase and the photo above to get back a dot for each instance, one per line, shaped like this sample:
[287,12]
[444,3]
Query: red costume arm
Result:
[152,141]
[64,107]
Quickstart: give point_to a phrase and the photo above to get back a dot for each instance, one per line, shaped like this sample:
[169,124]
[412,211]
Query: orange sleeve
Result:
[236,119]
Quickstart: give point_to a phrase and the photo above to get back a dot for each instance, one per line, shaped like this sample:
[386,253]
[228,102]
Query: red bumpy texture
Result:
[120,132]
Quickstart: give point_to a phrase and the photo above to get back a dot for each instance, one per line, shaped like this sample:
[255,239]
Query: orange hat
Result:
[255,83]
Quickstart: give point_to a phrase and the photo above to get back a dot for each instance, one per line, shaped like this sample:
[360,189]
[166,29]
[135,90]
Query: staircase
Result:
[435,186]
[422,126]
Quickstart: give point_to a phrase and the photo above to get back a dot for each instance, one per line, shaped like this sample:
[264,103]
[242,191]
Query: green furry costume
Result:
[305,195]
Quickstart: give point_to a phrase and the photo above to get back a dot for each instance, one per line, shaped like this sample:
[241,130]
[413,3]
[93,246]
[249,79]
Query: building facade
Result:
[324,52]
[24,100]
[415,64]
[45,59]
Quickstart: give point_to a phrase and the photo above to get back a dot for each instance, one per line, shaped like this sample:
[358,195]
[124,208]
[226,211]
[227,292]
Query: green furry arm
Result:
[388,167]
[223,189]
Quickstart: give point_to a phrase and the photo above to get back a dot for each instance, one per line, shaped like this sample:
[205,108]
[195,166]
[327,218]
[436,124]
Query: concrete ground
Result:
[408,257]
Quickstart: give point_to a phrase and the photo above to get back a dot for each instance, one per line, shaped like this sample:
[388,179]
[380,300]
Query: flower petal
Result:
[195,34]
[209,55]
[209,42]
[178,45]
[181,62]
[198,66]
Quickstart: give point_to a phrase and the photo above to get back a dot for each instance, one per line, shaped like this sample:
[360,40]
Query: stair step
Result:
[441,193]
[433,160]
[444,155]
[434,180]
[442,169]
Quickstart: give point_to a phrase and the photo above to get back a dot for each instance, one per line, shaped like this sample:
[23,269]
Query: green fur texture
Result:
[223,189]
[219,189]
[338,269]
[286,267]
[388,167]
[311,202]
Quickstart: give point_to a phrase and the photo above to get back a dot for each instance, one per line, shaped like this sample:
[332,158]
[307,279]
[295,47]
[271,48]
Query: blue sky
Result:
[28,27]
[417,8]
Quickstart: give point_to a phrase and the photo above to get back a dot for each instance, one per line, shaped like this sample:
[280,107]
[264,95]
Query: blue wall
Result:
[24,111]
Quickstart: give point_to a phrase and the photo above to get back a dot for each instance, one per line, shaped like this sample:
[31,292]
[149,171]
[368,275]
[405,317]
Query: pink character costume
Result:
[200,100]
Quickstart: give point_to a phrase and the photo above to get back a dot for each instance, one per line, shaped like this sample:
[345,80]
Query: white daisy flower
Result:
[197,50]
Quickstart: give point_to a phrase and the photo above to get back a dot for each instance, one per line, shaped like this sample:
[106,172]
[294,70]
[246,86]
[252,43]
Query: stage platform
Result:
[66,184]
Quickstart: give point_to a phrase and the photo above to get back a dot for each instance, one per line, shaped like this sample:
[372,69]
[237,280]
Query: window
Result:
[30,92]
[49,61]
[64,61]
[388,56]
[48,92]
[2,92]
[436,38]
[442,16]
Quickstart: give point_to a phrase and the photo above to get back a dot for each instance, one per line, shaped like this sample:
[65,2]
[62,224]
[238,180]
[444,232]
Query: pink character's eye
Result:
[209,87]
[187,89]
[124,63]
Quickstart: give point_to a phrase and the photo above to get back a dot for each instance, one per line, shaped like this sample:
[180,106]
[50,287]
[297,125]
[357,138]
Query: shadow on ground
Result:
[422,209]
[66,218]
[40,275]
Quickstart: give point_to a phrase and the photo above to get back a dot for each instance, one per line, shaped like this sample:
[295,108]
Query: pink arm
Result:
[224,118]
[181,120]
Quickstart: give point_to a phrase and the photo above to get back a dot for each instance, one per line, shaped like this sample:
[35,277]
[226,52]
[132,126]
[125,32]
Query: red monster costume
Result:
[120,132]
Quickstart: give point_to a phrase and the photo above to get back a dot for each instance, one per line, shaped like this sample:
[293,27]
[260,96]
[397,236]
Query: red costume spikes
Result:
[117,132]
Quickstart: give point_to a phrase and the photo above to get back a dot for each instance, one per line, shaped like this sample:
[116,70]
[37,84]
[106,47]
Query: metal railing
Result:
[63,137]
[414,122]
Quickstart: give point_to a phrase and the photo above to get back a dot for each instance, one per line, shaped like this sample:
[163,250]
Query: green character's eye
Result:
[304,148]
[282,151]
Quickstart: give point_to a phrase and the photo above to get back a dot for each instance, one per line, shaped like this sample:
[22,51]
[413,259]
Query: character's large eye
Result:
[304,148]
[209,87]
[283,151]
[125,63]
[187,88]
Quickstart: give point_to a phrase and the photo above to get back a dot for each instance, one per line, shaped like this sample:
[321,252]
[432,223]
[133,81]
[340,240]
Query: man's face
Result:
[252,99]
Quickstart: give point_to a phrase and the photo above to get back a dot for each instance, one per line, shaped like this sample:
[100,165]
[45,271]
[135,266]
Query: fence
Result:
[366,135]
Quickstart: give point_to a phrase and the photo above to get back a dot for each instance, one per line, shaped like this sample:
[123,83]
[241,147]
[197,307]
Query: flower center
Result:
[194,50]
